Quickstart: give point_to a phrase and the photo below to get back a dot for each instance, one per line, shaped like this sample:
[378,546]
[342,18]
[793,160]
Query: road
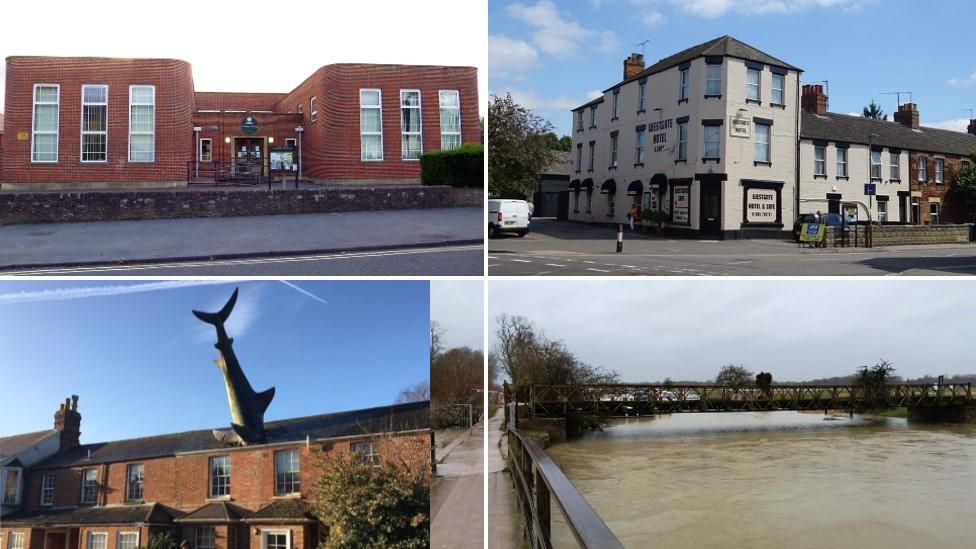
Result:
[437,261]
[457,495]
[557,248]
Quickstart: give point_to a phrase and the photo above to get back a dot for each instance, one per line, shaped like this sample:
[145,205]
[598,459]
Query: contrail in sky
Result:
[296,288]
[62,294]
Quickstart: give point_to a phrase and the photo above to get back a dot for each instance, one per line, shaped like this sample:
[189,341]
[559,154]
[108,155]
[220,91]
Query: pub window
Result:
[411,140]
[639,152]
[94,123]
[97,540]
[206,150]
[313,110]
[142,123]
[753,78]
[11,485]
[875,164]
[593,117]
[713,137]
[762,143]
[47,489]
[613,150]
[219,476]
[133,491]
[127,540]
[44,137]
[370,125]
[205,537]
[683,141]
[641,96]
[683,92]
[895,161]
[713,80]
[579,121]
[287,472]
[592,154]
[368,452]
[779,84]
[939,168]
[820,160]
[841,162]
[450,104]
[89,485]
[922,163]
[16,540]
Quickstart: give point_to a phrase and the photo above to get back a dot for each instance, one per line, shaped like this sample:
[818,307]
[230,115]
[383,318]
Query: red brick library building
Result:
[77,122]
[212,494]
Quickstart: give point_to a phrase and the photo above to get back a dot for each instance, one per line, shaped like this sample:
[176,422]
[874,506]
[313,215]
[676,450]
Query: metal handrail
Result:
[537,479]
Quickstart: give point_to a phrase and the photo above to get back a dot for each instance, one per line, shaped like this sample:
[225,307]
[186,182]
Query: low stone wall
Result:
[55,207]
[900,235]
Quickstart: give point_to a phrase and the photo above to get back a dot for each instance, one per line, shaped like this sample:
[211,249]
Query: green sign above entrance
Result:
[249,125]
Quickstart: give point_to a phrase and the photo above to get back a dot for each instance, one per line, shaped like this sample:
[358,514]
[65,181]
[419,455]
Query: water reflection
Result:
[778,479]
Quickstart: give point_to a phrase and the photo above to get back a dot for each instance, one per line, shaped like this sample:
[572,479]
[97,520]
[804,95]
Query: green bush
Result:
[460,167]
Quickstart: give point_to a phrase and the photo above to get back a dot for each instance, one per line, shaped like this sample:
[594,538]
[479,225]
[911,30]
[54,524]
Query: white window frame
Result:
[118,538]
[593,116]
[362,133]
[684,79]
[313,109]
[298,460]
[923,166]
[616,103]
[781,89]
[641,96]
[872,164]
[820,164]
[938,212]
[291,142]
[579,158]
[17,488]
[374,457]
[128,480]
[47,490]
[579,121]
[939,171]
[718,142]
[196,536]
[639,147]
[200,155]
[709,79]
[757,85]
[613,150]
[592,156]
[767,145]
[91,536]
[842,162]
[57,130]
[210,477]
[420,122]
[441,107]
[84,481]
[265,533]
[882,211]
[10,540]
[682,150]
[894,162]
[153,132]
[81,148]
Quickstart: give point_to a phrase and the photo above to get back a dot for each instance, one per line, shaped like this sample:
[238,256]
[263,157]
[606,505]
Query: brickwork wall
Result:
[174,106]
[898,235]
[233,101]
[16,208]
[951,210]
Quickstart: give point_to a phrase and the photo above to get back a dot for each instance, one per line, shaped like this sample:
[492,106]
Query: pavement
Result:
[561,248]
[174,241]
[503,517]
[457,494]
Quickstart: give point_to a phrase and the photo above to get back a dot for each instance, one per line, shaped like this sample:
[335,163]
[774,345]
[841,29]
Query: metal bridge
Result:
[621,400]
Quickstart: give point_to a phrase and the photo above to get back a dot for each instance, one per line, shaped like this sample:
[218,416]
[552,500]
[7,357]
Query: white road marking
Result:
[521,261]
[597,270]
[554,265]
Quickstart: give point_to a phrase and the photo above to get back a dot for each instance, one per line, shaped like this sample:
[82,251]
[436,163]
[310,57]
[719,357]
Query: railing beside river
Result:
[539,482]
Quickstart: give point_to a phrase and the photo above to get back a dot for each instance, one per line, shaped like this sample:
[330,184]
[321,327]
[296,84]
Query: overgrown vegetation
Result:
[873,382]
[164,540]
[963,190]
[463,166]
[454,374]
[518,148]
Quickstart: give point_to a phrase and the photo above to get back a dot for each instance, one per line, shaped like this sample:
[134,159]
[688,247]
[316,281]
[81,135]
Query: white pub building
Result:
[707,135]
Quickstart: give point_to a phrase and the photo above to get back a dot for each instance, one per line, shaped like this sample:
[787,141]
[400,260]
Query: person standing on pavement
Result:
[631,215]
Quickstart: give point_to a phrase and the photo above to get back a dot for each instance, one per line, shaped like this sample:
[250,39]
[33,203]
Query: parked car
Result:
[508,216]
[692,396]
[831,219]
[667,396]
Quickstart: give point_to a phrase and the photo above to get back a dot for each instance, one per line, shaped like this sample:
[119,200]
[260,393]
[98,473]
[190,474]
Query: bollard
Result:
[620,238]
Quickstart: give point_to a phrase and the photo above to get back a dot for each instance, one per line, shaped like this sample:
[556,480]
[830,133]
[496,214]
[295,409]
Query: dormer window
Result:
[11,485]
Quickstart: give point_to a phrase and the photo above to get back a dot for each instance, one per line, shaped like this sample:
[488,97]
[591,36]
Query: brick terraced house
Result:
[212,494]
[80,122]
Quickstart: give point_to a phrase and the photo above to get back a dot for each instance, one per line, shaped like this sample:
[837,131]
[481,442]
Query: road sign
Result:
[869,189]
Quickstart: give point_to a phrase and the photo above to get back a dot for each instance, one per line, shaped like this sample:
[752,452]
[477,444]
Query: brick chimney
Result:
[633,65]
[907,115]
[813,99]
[68,421]
[972,127]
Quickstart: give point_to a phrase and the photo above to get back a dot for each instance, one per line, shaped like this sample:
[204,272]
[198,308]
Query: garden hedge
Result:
[460,167]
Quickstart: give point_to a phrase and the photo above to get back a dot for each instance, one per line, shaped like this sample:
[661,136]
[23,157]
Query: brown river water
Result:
[776,479]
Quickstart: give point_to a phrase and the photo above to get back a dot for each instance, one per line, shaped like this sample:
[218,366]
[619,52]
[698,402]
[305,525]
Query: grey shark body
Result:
[246,406]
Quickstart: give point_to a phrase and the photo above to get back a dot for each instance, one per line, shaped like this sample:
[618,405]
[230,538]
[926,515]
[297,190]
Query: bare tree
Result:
[436,340]
[414,393]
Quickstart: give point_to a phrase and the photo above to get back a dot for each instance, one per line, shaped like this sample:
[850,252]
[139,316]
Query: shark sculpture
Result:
[246,407]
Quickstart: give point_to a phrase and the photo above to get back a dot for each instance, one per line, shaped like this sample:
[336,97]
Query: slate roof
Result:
[589,103]
[220,511]
[104,514]
[722,46]
[857,129]
[283,510]
[15,444]
[560,165]
[396,417]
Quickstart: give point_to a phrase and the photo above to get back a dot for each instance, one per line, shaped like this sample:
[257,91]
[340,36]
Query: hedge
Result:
[460,167]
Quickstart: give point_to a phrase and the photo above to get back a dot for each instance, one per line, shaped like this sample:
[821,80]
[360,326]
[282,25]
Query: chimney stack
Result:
[68,421]
[813,99]
[633,65]
[907,115]
[972,127]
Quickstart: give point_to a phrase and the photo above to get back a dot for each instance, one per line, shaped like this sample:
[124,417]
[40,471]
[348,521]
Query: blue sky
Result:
[554,56]
[142,363]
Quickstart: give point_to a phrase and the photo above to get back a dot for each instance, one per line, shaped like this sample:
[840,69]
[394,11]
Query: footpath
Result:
[457,493]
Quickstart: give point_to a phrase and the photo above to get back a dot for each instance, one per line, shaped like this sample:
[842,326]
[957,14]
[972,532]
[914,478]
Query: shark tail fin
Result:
[264,399]
[220,316]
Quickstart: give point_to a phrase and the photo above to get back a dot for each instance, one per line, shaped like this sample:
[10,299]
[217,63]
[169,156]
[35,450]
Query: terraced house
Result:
[210,493]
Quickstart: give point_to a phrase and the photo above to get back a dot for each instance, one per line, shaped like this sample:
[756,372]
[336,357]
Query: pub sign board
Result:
[249,125]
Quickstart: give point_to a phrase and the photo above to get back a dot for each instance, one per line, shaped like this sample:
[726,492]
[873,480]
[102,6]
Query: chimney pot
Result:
[67,420]
[633,65]
[907,115]
[814,100]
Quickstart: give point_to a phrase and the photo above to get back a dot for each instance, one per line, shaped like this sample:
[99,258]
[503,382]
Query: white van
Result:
[508,216]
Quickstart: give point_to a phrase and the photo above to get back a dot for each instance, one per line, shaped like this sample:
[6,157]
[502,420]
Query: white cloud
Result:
[61,294]
[956,125]
[556,35]
[590,95]
[531,100]
[717,8]
[653,18]
[971,79]
[509,57]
